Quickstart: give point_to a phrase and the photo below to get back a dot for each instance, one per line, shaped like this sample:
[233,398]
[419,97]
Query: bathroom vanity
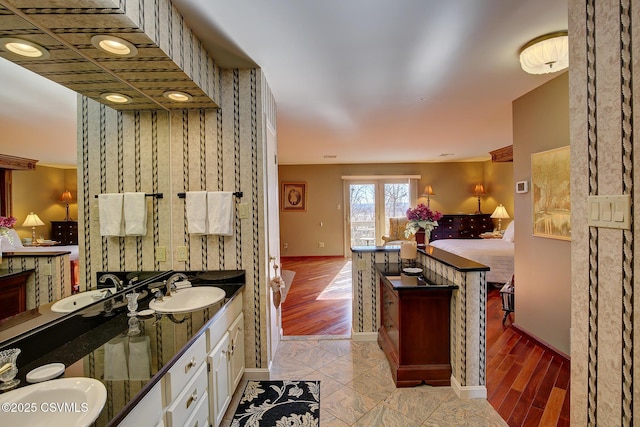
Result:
[179,369]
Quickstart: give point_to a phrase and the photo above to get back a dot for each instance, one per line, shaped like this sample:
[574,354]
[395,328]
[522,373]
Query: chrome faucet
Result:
[171,282]
[119,284]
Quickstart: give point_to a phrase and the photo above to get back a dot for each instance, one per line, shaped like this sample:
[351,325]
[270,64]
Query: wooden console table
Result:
[414,332]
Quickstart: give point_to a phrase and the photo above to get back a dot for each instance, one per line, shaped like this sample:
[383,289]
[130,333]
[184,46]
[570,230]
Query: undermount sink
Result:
[188,299]
[77,301]
[61,402]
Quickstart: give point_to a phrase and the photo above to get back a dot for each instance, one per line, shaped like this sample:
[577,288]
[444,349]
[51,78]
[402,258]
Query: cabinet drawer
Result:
[185,368]
[184,406]
[393,333]
[390,303]
[200,416]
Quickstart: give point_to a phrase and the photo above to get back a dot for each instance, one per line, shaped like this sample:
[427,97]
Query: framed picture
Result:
[551,193]
[294,197]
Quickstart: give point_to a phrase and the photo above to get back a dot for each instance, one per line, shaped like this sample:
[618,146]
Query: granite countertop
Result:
[423,280]
[101,351]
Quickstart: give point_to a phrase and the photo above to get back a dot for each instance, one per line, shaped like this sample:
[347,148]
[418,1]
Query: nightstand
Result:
[65,232]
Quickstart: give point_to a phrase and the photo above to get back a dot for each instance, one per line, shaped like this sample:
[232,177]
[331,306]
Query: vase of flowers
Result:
[421,221]
[6,222]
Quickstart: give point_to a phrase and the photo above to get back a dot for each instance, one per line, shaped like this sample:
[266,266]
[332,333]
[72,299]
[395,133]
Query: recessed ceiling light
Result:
[24,48]
[116,98]
[114,45]
[330,156]
[177,96]
[445,155]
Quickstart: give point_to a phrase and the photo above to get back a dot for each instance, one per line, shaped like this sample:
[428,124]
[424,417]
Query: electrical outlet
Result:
[46,269]
[362,264]
[182,253]
[161,254]
[321,244]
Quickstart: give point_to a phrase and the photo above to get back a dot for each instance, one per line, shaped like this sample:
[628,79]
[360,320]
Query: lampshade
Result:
[428,191]
[32,221]
[546,54]
[478,190]
[66,196]
[500,213]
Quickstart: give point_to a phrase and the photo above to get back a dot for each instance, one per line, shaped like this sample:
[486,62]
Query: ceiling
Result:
[355,81]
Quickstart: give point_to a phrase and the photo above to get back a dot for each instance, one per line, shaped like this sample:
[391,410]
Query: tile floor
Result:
[356,389]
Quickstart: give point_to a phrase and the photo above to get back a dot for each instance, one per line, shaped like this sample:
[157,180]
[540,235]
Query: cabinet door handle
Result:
[191,364]
[192,398]
[388,302]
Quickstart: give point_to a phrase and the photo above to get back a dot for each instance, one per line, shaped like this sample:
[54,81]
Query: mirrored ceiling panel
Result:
[73,38]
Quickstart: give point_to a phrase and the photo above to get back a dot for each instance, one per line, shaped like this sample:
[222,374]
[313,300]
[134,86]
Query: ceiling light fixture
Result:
[176,95]
[23,48]
[114,45]
[116,98]
[546,54]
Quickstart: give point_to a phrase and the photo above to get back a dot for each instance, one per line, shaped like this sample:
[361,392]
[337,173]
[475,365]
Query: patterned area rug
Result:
[279,403]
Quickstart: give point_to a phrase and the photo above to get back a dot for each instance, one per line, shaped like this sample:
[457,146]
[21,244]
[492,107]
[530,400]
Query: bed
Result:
[12,243]
[497,254]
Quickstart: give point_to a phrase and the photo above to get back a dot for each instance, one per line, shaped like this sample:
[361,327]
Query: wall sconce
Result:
[428,192]
[500,213]
[478,191]
[32,221]
[66,199]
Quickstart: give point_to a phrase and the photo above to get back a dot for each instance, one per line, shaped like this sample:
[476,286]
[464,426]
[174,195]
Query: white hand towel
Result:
[115,360]
[135,214]
[196,206]
[110,209]
[139,358]
[221,212]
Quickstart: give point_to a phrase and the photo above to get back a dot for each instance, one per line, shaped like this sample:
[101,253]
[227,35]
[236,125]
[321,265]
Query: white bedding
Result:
[11,243]
[497,254]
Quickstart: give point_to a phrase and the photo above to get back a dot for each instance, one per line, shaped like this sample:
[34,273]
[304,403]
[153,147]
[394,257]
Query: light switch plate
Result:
[610,211]
[161,254]
[243,210]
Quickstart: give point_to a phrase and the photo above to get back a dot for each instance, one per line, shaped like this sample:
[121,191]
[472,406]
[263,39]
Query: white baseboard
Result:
[468,392]
[364,336]
[256,374]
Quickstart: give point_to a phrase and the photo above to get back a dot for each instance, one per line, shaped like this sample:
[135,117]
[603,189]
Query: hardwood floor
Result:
[527,383]
[319,300]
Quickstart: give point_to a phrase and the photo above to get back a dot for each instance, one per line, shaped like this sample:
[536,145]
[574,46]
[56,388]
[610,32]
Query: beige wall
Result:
[39,191]
[542,265]
[452,182]
[604,84]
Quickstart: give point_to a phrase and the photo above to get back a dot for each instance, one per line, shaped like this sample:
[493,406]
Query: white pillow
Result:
[508,233]
[7,245]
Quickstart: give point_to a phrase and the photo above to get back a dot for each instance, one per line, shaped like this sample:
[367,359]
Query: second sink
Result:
[188,300]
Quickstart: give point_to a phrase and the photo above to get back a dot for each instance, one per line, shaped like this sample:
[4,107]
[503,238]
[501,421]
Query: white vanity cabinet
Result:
[225,359]
[219,383]
[236,352]
[186,384]
[148,412]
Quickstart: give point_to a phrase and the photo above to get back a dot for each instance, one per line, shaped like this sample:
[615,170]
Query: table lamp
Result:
[32,221]
[67,198]
[500,213]
[428,192]
[479,191]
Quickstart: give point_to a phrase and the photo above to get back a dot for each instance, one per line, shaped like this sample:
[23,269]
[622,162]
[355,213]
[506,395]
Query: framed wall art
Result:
[551,193]
[294,197]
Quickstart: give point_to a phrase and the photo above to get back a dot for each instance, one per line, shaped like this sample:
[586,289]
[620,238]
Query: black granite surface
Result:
[426,279]
[81,334]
